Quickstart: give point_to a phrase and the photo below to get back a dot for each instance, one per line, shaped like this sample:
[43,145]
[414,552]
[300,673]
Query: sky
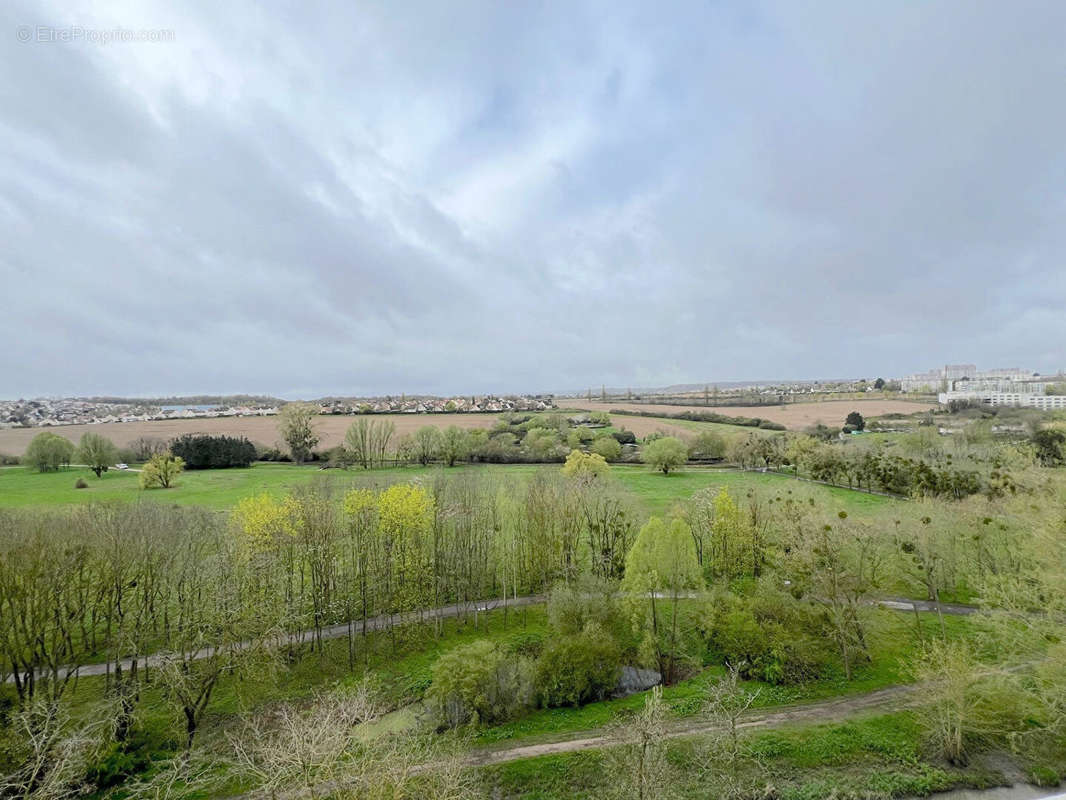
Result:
[373,198]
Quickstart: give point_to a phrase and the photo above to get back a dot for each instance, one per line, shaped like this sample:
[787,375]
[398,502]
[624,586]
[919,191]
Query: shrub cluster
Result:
[201,451]
[770,636]
[486,682]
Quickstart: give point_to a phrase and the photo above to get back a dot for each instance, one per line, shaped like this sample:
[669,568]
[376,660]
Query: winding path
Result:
[384,621]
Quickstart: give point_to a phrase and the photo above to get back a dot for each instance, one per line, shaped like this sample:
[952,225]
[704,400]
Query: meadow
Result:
[335,630]
[223,488]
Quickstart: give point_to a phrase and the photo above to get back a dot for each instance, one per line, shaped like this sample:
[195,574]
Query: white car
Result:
[122,466]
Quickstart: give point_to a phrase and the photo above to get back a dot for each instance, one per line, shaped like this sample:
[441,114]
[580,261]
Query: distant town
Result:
[1009,386]
[953,383]
[47,412]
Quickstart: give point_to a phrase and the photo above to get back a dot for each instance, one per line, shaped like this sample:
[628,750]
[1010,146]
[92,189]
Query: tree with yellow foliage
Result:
[161,471]
[359,556]
[585,466]
[403,554]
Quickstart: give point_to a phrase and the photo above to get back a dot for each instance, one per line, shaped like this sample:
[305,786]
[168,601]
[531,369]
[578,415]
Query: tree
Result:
[161,471]
[427,444]
[1050,446]
[730,548]
[479,683]
[726,703]
[708,445]
[296,426]
[144,447]
[965,704]
[585,466]
[96,452]
[879,384]
[855,421]
[406,449]
[638,760]
[453,445]
[202,451]
[841,566]
[608,447]
[47,452]
[53,753]
[297,747]
[578,668]
[367,441]
[662,561]
[665,454]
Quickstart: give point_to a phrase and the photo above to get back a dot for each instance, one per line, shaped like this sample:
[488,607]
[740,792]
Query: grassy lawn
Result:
[222,488]
[892,637]
[870,756]
[658,492]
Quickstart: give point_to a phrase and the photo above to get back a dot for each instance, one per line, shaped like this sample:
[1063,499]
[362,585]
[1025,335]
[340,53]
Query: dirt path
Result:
[892,698]
[384,621]
[381,622]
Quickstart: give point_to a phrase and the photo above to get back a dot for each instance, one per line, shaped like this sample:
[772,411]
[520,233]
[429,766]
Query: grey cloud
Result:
[486,197]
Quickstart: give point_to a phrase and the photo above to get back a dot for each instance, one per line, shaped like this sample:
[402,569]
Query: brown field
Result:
[264,430]
[261,430]
[794,416]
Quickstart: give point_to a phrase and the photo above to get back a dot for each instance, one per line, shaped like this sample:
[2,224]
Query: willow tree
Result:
[96,452]
[662,564]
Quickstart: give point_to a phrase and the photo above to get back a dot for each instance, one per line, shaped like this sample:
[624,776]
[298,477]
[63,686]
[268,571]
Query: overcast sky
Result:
[468,197]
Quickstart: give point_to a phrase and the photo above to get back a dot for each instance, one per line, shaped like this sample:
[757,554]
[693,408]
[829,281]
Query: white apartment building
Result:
[950,376]
[1045,402]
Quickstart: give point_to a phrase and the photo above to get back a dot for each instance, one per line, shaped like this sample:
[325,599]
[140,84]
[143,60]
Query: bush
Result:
[144,447]
[80,484]
[160,472]
[338,457]
[1050,446]
[47,452]
[585,465]
[771,637]
[579,668]
[264,453]
[201,451]
[574,606]
[479,683]
[607,447]
[1045,777]
[708,445]
[625,437]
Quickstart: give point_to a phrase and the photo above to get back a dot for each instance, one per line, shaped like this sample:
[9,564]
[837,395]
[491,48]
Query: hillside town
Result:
[48,412]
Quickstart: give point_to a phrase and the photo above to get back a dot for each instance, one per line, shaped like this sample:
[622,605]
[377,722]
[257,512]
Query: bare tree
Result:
[637,761]
[726,703]
[295,747]
[55,750]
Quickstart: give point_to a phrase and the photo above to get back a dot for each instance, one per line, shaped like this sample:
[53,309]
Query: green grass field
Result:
[222,488]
